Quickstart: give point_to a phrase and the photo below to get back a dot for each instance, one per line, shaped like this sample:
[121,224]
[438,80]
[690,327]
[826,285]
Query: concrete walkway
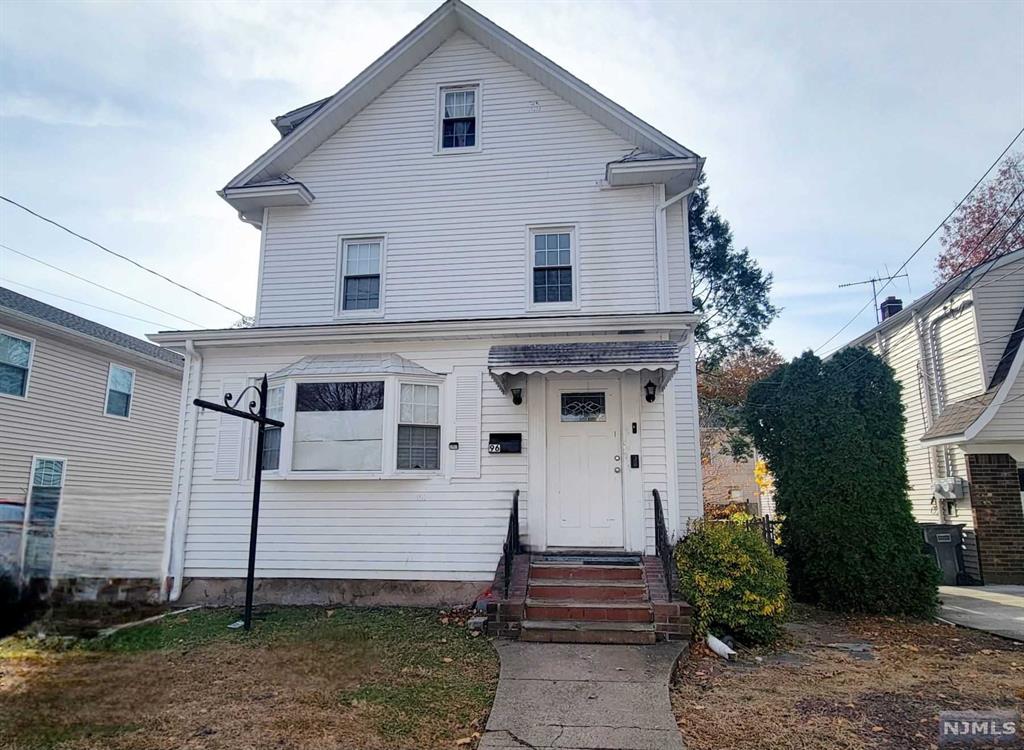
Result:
[583,697]
[995,609]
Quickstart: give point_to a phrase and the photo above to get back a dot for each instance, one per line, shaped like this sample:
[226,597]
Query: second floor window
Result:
[360,274]
[552,266]
[459,108]
[15,360]
[120,385]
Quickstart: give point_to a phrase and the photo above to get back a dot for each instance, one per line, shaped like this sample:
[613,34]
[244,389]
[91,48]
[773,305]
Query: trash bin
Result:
[944,543]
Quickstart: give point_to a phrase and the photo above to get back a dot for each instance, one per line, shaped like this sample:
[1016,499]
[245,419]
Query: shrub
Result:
[832,435]
[734,582]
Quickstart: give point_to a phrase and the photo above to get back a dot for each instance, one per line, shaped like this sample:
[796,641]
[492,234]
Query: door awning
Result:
[660,358]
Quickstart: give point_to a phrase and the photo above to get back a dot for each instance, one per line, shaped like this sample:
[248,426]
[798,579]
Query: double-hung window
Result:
[419,428]
[15,363]
[339,426]
[552,258]
[272,435]
[120,385]
[361,262]
[460,107]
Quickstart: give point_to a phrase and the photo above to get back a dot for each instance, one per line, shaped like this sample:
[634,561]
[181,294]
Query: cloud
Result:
[51,111]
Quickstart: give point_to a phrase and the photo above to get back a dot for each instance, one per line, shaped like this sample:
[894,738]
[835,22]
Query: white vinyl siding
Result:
[114,503]
[456,227]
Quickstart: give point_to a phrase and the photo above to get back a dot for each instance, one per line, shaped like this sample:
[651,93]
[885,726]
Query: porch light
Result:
[517,396]
[650,391]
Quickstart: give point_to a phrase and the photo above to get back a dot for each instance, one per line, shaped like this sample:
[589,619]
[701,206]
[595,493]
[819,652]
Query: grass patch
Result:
[303,678]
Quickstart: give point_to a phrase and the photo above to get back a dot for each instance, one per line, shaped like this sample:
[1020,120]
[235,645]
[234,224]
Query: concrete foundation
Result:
[326,591]
[107,590]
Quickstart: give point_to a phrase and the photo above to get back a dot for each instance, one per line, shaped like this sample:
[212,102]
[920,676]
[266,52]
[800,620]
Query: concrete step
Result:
[566,610]
[577,572]
[557,631]
[588,591]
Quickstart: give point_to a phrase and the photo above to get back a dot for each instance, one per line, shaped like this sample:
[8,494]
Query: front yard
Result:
[304,678]
[846,682]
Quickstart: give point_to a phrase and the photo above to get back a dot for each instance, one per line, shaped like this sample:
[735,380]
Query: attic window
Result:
[460,107]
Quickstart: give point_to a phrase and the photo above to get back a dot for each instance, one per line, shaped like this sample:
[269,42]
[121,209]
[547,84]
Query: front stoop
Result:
[571,601]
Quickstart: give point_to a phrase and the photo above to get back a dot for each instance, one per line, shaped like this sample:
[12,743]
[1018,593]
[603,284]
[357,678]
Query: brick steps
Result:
[560,631]
[566,572]
[588,590]
[570,609]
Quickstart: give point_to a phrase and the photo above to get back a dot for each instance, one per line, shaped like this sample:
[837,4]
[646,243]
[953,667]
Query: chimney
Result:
[890,307]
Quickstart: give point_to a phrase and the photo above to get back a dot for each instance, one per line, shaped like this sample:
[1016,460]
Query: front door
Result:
[584,466]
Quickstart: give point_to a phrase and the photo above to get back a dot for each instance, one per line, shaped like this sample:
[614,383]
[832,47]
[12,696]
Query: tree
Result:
[730,289]
[832,435]
[964,240]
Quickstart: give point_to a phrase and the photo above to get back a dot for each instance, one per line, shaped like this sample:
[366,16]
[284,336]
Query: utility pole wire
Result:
[87,304]
[105,288]
[929,237]
[122,257]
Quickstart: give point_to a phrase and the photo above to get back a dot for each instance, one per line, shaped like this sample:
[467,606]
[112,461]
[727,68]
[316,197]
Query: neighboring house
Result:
[88,419]
[957,353]
[729,480]
[474,279]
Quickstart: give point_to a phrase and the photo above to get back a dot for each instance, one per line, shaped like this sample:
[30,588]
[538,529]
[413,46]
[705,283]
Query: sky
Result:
[837,135]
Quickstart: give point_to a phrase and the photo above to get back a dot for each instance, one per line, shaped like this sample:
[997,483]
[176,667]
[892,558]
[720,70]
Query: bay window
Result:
[339,426]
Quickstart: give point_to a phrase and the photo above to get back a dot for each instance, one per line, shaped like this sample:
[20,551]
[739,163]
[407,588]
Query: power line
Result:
[87,304]
[105,288]
[122,257]
[929,237]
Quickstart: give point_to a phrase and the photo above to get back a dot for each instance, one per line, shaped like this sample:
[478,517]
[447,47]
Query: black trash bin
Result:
[944,543]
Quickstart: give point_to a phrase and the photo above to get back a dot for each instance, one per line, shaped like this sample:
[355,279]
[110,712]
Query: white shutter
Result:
[466,421]
[227,463]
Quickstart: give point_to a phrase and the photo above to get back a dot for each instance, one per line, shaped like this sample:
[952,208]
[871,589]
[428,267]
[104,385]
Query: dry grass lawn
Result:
[846,683]
[304,678]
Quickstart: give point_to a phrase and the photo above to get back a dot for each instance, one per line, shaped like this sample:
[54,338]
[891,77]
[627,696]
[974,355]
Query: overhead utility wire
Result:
[105,288]
[87,304]
[929,237]
[122,257]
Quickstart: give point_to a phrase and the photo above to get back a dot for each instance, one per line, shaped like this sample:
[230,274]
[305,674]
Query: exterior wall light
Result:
[517,396]
[650,391]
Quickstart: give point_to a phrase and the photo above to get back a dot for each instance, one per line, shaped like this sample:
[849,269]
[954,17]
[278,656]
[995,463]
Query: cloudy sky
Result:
[837,134]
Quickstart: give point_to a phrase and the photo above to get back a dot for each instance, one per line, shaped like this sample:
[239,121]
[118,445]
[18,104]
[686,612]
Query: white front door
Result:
[584,466]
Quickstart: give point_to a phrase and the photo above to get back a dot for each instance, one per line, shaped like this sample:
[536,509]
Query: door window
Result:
[583,407]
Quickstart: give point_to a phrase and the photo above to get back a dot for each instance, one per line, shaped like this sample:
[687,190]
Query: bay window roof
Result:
[351,364]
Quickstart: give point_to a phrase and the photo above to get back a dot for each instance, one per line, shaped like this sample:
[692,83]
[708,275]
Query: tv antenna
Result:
[874,288]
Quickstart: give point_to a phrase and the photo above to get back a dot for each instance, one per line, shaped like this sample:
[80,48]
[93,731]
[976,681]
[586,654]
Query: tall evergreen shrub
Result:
[832,435]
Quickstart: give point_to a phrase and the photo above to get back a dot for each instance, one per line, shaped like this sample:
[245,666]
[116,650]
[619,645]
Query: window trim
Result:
[106,391]
[339,295]
[28,507]
[31,361]
[574,257]
[389,446]
[443,88]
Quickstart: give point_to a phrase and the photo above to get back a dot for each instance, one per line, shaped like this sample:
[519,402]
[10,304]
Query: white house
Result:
[474,279]
[957,354]
[87,434]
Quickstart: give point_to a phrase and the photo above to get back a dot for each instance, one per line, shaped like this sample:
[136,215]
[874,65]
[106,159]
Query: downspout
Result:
[929,412]
[661,240]
[178,521]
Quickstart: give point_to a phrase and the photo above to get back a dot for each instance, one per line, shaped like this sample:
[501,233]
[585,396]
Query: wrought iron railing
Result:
[662,545]
[511,548]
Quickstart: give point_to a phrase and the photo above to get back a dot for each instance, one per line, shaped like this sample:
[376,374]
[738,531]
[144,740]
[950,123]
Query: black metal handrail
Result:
[511,547]
[662,545]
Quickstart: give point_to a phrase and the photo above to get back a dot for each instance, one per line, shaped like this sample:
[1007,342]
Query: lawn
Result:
[303,678]
[846,683]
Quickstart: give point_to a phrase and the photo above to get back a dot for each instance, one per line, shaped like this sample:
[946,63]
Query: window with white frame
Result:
[120,385]
[43,504]
[339,426]
[271,434]
[15,363]
[361,274]
[419,428]
[459,114]
[552,261]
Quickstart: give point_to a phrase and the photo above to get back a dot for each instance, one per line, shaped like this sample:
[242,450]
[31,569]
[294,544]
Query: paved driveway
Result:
[995,609]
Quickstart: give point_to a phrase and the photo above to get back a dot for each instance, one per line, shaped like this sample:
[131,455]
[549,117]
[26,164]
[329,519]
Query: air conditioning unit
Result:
[950,488]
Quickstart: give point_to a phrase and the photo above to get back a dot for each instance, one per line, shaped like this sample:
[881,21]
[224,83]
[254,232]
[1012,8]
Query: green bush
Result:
[734,582]
[832,435]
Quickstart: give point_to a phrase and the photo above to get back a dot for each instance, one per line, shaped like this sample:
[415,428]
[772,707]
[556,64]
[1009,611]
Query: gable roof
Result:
[26,307]
[306,127]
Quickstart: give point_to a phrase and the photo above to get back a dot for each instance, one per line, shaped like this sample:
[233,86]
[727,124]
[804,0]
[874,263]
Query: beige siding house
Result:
[88,419]
[957,353]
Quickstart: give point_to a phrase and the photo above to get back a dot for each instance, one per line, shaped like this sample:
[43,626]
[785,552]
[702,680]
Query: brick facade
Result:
[998,516]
